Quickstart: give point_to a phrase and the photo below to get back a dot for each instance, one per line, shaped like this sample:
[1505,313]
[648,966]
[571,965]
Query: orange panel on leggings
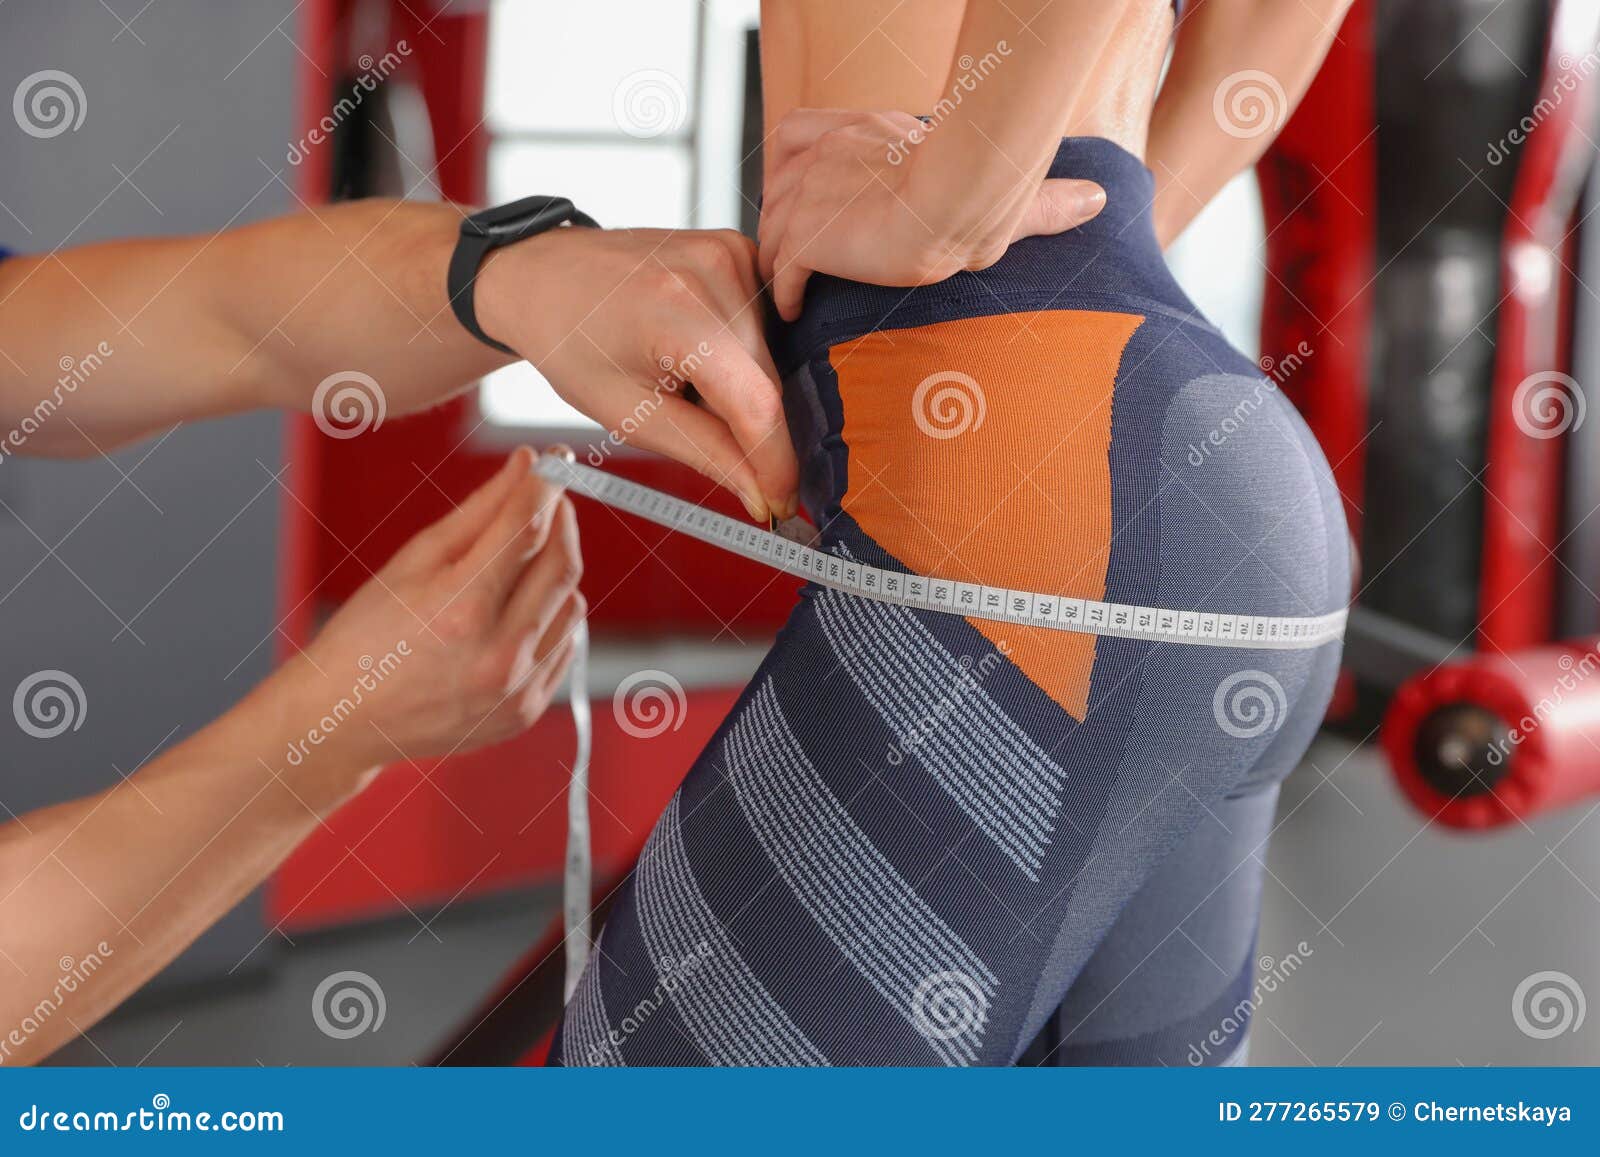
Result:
[979,451]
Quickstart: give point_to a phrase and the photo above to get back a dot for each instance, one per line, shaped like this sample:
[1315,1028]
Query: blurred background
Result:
[1411,263]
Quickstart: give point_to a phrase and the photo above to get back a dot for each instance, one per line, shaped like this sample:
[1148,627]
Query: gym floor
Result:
[1397,948]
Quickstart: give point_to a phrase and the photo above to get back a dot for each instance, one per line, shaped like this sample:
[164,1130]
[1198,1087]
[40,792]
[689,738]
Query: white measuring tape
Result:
[970,600]
[579,870]
[945,596]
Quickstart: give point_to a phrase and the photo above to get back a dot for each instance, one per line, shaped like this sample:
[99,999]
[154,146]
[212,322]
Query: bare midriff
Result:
[876,55]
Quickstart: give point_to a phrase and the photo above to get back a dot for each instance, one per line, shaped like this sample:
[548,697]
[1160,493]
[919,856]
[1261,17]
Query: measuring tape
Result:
[945,596]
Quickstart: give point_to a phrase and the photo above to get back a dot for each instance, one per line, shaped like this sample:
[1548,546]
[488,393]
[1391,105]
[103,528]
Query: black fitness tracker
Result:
[492,228]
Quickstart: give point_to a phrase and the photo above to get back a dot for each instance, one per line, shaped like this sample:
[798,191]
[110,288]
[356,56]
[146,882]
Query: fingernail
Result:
[756,507]
[564,452]
[1092,198]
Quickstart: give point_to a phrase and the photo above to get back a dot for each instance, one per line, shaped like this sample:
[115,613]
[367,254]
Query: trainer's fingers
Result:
[747,325]
[547,676]
[746,280]
[748,400]
[548,578]
[773,460]
[518,531]
[1061,204]
[447,539]
[559,634]
[702,441]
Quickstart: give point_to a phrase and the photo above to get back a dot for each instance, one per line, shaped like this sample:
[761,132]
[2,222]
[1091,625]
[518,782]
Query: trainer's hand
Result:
[458,642]
[619,320]
[847,194]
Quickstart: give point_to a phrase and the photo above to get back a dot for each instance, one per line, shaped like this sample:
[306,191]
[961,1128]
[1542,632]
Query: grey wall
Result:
[149,578]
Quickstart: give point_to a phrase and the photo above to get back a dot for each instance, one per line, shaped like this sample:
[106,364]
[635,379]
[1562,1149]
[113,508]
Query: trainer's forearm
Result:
[98,894]
[1238,70]
[169,330]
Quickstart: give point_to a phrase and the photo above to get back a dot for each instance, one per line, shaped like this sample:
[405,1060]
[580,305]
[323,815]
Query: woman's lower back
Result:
[876,55]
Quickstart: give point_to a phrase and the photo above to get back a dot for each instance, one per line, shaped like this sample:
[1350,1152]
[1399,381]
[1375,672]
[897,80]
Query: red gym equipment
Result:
[1456,633]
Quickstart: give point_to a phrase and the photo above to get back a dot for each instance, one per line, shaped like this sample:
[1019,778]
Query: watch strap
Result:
[478,237]
[463,285]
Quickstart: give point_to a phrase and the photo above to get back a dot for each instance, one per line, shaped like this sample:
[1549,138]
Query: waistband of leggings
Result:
[1114,257]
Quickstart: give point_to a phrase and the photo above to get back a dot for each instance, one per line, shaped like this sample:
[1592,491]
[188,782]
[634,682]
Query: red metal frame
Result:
[1523,482]
[1318,189]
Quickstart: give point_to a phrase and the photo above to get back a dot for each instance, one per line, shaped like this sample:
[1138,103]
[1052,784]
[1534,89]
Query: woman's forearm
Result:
[1019,70]
[1240,67]
[98,894]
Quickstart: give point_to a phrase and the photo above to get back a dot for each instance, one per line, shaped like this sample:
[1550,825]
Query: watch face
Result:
[520,218]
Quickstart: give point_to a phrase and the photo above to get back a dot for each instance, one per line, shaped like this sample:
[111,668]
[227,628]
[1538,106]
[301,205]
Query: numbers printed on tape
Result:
[1027,608]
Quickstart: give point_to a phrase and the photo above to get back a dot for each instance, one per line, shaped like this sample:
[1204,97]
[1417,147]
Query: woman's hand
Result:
[870,197]
[620,319]
[458,642]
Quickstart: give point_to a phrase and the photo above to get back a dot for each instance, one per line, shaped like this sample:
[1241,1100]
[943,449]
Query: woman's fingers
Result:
[1060,204]
[778,196]
[802,128]
[789,283]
